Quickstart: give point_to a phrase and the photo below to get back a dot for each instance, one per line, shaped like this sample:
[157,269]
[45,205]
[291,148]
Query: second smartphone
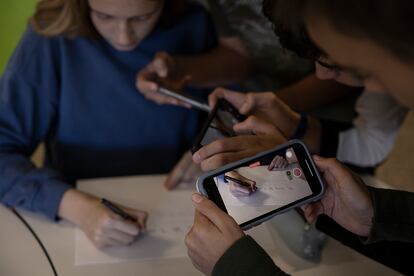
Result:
[219,124]
[255,189]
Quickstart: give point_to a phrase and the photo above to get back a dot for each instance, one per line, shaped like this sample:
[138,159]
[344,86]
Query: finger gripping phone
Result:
[219,124]
[284,178]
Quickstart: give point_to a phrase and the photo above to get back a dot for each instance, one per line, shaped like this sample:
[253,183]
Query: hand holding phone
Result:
[162,71]
[239,185]
[294,183]
[219,124]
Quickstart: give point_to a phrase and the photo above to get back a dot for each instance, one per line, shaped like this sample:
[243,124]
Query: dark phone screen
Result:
[265,185]
[225,116]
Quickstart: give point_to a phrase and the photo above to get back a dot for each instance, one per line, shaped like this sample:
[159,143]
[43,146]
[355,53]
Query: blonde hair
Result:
[71,18]
[63,17]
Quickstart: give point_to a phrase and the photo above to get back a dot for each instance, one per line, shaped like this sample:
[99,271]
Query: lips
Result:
[125,47]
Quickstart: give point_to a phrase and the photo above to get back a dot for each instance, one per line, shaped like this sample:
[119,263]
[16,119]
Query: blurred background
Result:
[396,171]
[13,21]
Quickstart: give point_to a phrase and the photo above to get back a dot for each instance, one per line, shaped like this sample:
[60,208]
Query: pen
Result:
[186,99]
[238,181]
[116,210]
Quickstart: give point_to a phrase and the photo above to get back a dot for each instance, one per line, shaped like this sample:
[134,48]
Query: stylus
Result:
[192,102]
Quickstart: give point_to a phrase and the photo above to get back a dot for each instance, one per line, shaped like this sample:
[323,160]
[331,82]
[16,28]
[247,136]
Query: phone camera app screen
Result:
[272,182]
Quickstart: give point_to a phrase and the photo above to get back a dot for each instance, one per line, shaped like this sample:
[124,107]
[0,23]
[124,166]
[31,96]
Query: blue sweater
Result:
[79,97]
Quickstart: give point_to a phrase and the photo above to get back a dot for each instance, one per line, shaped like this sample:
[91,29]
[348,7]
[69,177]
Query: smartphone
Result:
[191,100]
[219,124]
[255,189]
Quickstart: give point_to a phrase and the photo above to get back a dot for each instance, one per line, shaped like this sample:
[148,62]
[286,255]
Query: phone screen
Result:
[219,124]
[265,185]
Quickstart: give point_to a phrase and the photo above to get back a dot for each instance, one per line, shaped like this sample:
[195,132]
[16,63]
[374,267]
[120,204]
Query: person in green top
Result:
[359,37]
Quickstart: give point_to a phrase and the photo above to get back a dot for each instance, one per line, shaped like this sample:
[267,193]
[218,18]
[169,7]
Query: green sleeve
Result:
[393,216]
[246,257]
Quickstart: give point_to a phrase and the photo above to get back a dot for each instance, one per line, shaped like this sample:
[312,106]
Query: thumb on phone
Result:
[210,210]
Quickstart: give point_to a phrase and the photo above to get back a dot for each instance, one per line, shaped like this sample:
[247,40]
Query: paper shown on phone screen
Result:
[275,189]
[171,216]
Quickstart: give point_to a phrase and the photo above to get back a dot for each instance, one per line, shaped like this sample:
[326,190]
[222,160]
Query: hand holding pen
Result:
[113,224]
[102,225]
[117,210]
[239,186]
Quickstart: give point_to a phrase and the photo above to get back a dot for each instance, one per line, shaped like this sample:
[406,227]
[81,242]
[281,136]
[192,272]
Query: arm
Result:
[217,245]
[372,137]
[246,257]
[23,124]
[311,92]
[28,106]
[228,63]
[393,216]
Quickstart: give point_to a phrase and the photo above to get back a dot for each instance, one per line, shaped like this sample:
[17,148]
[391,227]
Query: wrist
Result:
[74,204]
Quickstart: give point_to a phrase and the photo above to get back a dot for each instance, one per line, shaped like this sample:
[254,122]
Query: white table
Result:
[59,241]
[20,253]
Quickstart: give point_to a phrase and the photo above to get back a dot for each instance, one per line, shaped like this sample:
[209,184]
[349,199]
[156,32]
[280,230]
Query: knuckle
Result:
[220,160]
[220,145]
[106,222]
[188,240]
[98,233]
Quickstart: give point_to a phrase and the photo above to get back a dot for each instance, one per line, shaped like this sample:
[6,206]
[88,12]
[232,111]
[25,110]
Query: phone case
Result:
[228,167]
[225,106]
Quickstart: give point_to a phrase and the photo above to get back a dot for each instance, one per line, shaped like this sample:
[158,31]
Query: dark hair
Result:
[385,22]
[288,24]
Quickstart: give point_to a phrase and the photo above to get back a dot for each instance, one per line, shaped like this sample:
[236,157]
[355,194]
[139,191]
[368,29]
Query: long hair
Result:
[71,18]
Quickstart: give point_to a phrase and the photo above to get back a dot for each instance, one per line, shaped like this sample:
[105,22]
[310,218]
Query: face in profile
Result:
[125,23]
[326,70]
[378,68]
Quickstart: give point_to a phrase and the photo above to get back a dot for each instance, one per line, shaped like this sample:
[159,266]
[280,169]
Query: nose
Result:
[324,73]
[125,36]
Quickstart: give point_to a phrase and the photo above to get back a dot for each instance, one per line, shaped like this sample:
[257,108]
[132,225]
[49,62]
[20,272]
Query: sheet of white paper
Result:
[170,218]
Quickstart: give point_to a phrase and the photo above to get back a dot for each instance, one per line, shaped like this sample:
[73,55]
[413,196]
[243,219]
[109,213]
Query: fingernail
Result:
[197,157]
[197,198]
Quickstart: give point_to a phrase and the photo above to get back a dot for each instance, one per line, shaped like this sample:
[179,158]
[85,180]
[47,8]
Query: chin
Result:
[125,48]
